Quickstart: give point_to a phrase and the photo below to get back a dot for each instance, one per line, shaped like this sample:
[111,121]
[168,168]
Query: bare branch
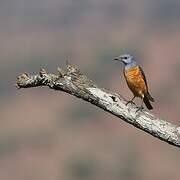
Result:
[72,81]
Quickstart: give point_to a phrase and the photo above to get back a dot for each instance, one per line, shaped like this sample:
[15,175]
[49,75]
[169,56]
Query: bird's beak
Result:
[117,59]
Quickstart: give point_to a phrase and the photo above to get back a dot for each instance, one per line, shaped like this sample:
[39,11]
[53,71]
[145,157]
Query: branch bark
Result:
[73,82]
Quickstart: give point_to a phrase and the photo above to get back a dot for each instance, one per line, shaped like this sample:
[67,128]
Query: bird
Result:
[136,80]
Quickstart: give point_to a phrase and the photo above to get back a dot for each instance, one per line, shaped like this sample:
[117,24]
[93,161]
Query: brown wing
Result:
[144,77]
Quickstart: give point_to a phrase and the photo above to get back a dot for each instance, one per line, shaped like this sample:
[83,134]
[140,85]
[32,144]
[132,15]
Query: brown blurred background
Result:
[49,135]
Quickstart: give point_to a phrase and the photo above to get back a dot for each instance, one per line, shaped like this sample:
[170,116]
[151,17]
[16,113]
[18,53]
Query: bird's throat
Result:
[130,65]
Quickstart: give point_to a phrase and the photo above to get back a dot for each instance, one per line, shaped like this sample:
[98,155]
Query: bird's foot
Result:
[140,109]
[130,102]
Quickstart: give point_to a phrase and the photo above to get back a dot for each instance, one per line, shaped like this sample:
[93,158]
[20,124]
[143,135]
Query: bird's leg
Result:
[131,101]
[141,107]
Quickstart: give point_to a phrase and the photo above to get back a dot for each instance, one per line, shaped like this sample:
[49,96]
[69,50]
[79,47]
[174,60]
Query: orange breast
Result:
[135,81]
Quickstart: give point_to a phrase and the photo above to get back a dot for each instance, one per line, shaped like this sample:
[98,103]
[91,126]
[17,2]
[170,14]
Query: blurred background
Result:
[46,134]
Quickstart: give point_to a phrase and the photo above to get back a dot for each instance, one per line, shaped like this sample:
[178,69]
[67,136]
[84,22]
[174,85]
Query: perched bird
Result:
[136,80]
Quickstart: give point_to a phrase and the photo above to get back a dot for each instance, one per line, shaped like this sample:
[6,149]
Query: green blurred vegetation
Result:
[82,167]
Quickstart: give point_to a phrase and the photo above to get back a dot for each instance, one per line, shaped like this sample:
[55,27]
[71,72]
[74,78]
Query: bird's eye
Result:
[125,57]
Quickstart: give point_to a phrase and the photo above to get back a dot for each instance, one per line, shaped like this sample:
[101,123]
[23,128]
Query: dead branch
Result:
[72,81]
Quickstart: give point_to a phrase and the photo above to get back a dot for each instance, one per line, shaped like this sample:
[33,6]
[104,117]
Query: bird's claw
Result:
[130,102]
[140,109]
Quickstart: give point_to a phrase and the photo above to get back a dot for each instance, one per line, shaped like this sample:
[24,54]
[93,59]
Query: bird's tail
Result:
[150,97]
[147,100]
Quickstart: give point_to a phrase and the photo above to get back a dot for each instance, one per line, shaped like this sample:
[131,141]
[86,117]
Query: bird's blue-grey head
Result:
[127,59]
